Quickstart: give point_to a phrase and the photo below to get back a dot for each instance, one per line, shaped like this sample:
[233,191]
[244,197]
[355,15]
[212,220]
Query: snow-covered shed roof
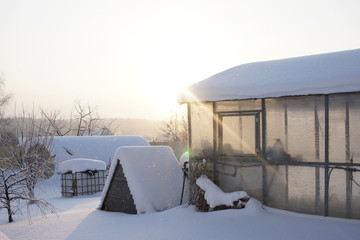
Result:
[81,165]
[316,74]
[92,147]
[153,175]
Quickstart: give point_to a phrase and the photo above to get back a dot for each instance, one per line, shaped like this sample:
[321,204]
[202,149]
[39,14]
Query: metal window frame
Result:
[256,114]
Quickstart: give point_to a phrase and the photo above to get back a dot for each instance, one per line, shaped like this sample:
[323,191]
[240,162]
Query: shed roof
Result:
[92,147]
[315,74]
[153,175]
[81,165]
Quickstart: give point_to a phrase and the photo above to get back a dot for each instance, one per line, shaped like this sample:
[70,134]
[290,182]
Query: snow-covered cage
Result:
[285,131]
[82,176]
[143,179]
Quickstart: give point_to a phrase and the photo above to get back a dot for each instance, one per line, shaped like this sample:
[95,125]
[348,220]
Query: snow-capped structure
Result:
[317,74]
[92,147]
[142,179]
[285,131]
[81,165]
[82,176]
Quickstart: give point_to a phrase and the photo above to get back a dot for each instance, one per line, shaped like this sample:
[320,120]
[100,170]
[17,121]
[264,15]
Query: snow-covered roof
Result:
[92,147]
[316,74]
[81,165]
[153,174]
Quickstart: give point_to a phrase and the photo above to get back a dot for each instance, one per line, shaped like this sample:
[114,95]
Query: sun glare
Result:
[169,67]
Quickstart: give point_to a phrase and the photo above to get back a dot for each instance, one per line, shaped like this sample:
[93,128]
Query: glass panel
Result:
[337,114]
[354,130]
[337,193]
[296,126]
[238,135]
[247,178]
[201,129]
[238,106]
[344,129]
[305,128]
[302,189]
[276,127]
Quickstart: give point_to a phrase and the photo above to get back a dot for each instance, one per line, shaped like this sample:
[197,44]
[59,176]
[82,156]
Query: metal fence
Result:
[82,183]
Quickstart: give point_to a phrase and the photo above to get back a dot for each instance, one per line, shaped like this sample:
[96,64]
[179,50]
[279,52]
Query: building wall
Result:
[118,197]
[290,170]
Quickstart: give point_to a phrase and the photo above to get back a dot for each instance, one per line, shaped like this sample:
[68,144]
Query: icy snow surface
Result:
[315,74]
[92,147]
[153,175]
[81,165]
[214,196]
[79,219]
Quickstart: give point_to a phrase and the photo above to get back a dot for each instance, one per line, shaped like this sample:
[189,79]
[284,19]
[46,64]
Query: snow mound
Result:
[81,165]
[316,74]
[153,174]
[3,236]
[92,147]
[214,196]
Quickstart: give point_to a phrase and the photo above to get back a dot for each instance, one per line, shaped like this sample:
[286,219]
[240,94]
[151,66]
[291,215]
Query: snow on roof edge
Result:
[265,97]
[336,72]
[81,165]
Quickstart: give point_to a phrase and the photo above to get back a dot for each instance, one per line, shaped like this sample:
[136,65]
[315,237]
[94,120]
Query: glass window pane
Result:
[201,129]
[239,135]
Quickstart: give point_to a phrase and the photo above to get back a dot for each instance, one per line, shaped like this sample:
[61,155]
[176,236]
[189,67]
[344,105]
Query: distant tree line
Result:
[175,129]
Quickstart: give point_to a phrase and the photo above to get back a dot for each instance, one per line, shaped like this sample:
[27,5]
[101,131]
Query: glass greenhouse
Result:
[285,131]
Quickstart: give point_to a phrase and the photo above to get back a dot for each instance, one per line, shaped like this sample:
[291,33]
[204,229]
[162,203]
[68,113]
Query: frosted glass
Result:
[243,105]
[239,135]
[201,129]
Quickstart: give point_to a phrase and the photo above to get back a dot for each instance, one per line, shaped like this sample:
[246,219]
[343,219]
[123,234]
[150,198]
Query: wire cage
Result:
[82,183]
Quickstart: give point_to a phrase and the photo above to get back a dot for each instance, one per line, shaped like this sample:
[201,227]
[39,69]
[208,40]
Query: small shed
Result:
[285,131]
[141,180]
[82,176]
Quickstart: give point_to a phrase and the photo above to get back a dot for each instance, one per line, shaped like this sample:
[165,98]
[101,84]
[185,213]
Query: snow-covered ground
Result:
[78,218]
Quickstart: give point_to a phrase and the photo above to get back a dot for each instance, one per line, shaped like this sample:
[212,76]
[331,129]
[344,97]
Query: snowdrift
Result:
[92,147]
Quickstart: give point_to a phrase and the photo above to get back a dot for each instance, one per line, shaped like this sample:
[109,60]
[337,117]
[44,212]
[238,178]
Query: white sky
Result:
[131,58]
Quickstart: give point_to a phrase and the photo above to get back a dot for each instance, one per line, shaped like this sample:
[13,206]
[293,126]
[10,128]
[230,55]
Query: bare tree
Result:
[176,129]
[21,164]
[33,151]
[86,121]
[14,190]
[4,97]
[20,169]
[59,126]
